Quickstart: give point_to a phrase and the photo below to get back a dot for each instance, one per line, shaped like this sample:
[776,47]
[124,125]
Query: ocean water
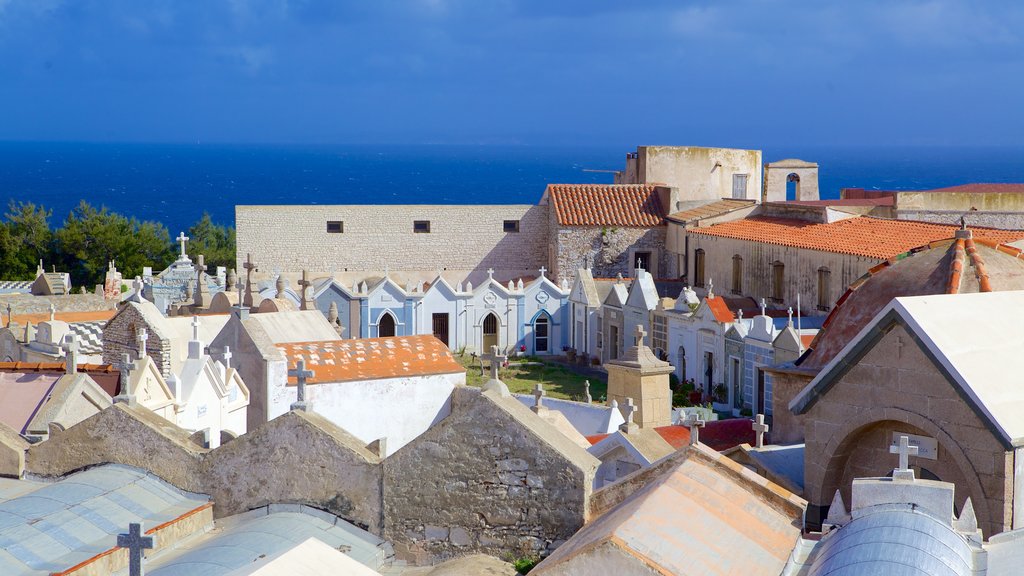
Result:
[176,183]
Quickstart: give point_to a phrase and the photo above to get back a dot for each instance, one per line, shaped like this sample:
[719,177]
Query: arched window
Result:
[737,274]
[490,332]
[386,326]
[541,334]
[793,186]
[698,267]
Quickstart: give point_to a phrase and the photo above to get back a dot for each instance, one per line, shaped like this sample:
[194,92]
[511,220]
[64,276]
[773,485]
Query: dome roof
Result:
[953,266]
[895,542]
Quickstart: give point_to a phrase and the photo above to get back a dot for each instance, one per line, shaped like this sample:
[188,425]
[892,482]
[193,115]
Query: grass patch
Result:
[558,381]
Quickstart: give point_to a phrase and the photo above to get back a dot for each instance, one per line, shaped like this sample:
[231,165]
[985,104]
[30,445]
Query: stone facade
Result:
[608,251]
[501,480]
[464,240]
[698,173]
[896,387]
[777,176]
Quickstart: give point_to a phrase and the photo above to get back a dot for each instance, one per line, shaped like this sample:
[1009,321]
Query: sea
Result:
[176,183]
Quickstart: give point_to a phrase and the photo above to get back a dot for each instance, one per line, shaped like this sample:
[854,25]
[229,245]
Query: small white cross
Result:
[542,271]
[763,307]
[760,428]
[195,327]
[135,542]
[495,359]
[630,408]
[182,239]
[640,334]
[490,273]
[694,422]
[70,348]
[143,336]
[905,450]
[227,356]
[790,312]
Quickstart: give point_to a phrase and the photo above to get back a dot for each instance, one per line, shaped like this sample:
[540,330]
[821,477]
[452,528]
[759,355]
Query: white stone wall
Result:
[699,173]
[462,239]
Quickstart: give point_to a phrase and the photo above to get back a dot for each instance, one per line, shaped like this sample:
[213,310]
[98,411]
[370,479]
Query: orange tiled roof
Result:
[710,209]
[860,236]
[718,434]
[69,317]
[371,358]
[720,309]
[627,205]
[53,367]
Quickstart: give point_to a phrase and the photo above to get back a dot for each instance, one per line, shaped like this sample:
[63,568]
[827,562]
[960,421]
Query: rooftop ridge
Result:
[956,268]
[979,266]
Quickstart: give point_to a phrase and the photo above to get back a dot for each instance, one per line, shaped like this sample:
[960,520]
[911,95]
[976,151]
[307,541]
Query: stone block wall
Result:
[119,336]
[1004,220]
[479,481]
[609,251]
[462,239]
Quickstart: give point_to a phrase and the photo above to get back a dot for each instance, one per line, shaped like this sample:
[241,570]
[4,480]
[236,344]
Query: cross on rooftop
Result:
[711,288]
[790,312]
[640,334]
[249,267]
[496,360]
[227,356]
[639,264]
[905,450]
[182,239]
[542,271]
[195,327]
[301,374]
[135,542]
[142,337]
[538,394]
[490,273]
[760,428]
[694,422]
[629,408]
[70,348]
[305,283]
[764,307]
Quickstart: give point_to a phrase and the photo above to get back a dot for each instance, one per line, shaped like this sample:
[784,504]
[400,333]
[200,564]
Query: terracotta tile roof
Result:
[54,367]
[718,434]
[806,339]
[627,205]
[371,358]
[709,210]
[720,309]
[860,236]
[69,317]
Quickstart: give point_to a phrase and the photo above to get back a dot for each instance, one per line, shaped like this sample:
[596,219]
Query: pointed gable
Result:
[584,291]
[642,293]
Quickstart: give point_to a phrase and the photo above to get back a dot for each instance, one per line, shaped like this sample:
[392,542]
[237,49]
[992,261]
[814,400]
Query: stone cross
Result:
[135,542]
[694,422]
[640,333]
[227,356]
[639,264]
[305,283]
[182,239]
[201,265]
[137,286]
[542,271]
[250,267]
[905,450]
[711,288]
[53,312]
[629,408]
[301,374]
[763,308]
[586,392]
[70,348]
[760,428]
[899,346]
[195,327]
[490,273]
[538,395]
[125,367]
[142,337]
[790,312]
[496,360]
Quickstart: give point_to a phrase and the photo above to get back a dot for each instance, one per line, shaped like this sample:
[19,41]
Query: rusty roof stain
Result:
[69,317]
[720,309]
[951,266]
[859,236]
[626,205]
[371,358]
[710,210]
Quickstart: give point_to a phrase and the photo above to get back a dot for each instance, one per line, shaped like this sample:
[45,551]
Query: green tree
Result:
[91,238]
[216,243]
[25,238]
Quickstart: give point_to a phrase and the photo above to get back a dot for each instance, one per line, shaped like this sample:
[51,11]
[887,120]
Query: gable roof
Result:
[859,236]
[626,205]
[584,290]
[719,308]
[710,210]
[642,293]
[618,294]
[975,339]
[645,445]
[371,358]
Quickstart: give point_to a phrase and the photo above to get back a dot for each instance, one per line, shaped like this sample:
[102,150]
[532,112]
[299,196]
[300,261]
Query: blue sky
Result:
[724,72]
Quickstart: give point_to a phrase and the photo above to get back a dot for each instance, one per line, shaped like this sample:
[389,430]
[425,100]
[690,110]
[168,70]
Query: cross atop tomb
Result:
[496,360]
[790,312]
[249,267]
[905,450]
[301,374]
[629,409]
[137,286]
[760,428]
[70,348]
[639,264]
[142,337]
[53,312]
[542,271]
[711,288]
[195,328]
[227,356]
[135,542]
[764,308]
[182,239]
[694,422]
[490,273]
[538,395]
[640,334]
[305,284]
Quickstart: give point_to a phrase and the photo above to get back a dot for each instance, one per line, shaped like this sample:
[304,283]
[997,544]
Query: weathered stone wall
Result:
[1004,220]
[609,251]
[119,336]
[896,388]
[699,173]
[12,452]
[801,270]
[482,481]
[466,239]
[787,427]
[298,458]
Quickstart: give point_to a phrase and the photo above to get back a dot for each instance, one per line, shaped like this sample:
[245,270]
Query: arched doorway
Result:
[793,186]
[682,363]
[386,326]
[490,332]
[542,335]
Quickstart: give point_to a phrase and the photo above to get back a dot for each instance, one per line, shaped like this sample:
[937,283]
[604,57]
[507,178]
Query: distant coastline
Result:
[175,183]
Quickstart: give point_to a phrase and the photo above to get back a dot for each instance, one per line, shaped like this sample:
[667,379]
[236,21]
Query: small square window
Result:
[421,226]
[511,226]
[335,227]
